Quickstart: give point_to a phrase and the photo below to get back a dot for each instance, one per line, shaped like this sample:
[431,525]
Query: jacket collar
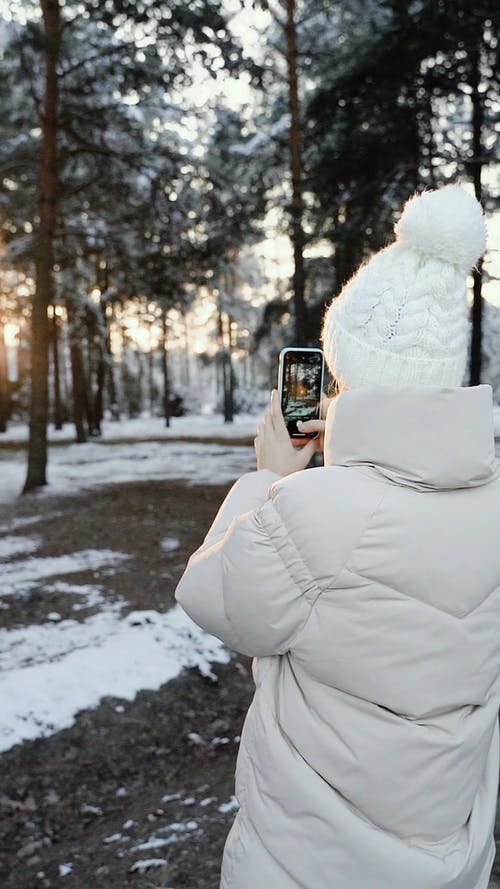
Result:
[425,437]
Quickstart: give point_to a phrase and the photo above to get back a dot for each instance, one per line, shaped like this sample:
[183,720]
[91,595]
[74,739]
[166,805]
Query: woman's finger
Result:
[311,425]
[277,419]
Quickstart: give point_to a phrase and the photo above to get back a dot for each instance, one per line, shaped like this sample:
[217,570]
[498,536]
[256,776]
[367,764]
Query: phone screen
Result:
[301,388]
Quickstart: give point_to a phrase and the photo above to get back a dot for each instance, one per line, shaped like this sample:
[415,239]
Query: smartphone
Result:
[300,387]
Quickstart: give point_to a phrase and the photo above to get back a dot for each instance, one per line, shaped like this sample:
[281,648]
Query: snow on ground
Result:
[76,467]
[74,665]
[141,428]
[14,524]
[19,577]
[170,544]
[14,546]
[39,643]
[89,594]
[150,428]
[52,670]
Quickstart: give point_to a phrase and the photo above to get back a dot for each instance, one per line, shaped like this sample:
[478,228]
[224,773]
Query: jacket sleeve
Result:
[247,584]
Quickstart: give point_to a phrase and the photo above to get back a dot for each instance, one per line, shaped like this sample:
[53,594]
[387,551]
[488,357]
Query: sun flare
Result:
[11,333]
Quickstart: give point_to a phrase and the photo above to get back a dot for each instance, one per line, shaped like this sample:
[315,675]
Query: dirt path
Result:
[134,793]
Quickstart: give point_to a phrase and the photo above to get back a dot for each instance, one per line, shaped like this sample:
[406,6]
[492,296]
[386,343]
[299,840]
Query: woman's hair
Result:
[334,388]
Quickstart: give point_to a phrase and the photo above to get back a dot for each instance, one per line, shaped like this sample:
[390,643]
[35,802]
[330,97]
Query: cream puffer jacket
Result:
[369,593]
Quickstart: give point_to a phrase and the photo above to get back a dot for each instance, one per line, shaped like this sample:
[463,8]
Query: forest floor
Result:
[135,793]
[138,790]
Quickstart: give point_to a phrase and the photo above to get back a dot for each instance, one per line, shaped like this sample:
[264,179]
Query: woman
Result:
[368,592]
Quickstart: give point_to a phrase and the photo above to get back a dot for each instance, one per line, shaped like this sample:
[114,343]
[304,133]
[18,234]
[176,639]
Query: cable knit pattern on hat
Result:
[402,318]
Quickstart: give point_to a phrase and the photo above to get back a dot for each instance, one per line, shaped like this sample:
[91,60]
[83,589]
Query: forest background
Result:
[185,185]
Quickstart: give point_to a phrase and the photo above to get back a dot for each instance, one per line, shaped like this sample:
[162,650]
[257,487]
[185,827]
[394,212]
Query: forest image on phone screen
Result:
[301,387]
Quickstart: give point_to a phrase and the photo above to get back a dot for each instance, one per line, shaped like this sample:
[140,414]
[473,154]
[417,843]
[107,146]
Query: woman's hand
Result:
[273,445]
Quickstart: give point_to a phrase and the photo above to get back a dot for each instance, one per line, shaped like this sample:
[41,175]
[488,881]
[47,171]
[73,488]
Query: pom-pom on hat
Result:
[402,318]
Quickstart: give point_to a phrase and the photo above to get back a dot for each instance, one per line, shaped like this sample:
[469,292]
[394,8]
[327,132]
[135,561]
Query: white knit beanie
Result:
[403,316]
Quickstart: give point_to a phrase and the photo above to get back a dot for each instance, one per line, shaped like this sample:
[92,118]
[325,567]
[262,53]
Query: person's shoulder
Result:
[325,492]
[322,512]
[321,482]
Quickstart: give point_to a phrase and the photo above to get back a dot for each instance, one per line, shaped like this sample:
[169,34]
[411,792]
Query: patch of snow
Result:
[144,865]
[91,810]
[14,546]
[81,467]
[141,651]
[114,838]
[42,643]
[54,616]
[65,869]
[195,738]
[144,428]
[230,806]
[179,827]
[208,800]
[19,577]
[170,544]
[20,523]
[169,797]
[91,594]
[154,843]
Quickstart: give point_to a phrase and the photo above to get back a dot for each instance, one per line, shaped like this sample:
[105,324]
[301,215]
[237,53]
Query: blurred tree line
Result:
[116,189]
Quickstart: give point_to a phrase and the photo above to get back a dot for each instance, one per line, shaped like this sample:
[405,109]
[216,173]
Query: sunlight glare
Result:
[11,333]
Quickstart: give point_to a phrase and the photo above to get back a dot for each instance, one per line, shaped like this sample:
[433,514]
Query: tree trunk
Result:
[297,205]
[231,374]
[99,395]
[58,412]
[142,387]
[79,384]
[187,372]
[164,368]
[151,379]
[44,261]
[477,302]
[225,361]
[113,403]
[4,382]
[93,348]
[65,370]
